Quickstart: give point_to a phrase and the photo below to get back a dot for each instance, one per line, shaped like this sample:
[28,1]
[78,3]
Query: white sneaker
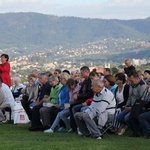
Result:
[48,131]
[122,131]
[99,138]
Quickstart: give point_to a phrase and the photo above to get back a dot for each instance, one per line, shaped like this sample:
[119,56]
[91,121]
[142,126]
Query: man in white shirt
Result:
[101,109]
[8,98]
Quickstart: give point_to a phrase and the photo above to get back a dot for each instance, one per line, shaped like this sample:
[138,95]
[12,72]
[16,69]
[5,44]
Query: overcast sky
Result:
[105,9]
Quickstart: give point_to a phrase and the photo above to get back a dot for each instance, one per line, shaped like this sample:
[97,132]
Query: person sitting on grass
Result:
[64,114]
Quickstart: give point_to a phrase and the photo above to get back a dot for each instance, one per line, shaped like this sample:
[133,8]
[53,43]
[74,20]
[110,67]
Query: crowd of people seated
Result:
[81,101]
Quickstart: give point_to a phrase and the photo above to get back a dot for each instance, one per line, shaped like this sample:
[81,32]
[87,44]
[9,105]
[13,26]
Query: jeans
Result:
[145,122]
[63,115]
[124,117]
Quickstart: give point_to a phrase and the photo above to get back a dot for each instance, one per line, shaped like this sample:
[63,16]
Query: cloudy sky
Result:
[105,9]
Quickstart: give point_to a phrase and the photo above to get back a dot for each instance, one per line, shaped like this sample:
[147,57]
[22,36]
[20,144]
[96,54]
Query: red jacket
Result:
[5,73]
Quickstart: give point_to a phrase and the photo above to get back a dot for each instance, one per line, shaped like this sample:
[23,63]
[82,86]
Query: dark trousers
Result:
[35,122]
[26,107]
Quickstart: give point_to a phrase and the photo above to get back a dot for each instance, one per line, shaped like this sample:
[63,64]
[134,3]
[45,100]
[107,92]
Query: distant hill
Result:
[44,31]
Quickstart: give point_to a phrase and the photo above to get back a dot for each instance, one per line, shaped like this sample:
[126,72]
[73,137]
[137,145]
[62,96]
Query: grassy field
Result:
[17,137]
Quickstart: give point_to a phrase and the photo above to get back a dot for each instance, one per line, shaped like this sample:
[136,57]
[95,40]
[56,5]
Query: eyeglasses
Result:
[55,72]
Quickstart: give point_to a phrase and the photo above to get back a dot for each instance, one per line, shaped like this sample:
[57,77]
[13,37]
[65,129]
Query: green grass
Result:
[17,137]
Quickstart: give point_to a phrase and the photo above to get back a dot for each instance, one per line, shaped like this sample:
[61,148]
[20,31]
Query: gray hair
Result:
[16,79]
[98,82]
[44,74]
[65,75]
[54,78]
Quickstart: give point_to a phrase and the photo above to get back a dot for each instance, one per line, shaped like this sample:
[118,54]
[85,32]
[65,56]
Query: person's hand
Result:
[57,106]
[84,104]
[81,115]
[127,109]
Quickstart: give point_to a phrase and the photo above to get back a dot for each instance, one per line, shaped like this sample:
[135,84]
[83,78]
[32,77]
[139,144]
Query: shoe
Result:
[4,121]
[49,131]
[122,131]
[79,133]
[33,129]
[71,131]
[62,129]
[99,138]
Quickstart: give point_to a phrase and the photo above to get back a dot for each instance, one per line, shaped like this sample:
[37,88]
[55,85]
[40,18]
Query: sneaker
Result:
[122,131]
[99,138]
[48,131]
[62,129]
[71,130]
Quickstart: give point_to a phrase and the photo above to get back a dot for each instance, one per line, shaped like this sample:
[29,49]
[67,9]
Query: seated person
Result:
[136,90]
[109,82]
[51,100]
[64,114]
[30,93]
[42,97]
[8,98]
[63,97]
[144,118]
[121,95]
[18,86]
[101,109]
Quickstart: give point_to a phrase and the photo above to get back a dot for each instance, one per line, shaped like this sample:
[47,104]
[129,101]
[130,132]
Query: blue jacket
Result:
[63,96]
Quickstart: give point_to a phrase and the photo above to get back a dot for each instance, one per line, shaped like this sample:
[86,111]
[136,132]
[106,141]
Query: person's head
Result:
[32,77]
[77,76]
[127,63]
[140,73]
[85,71]
[133,77]
[93,74]
[35,71]
[16,80]
[66,71]
[120,78]
[147,74]
[4,58]
[64,77]
[109,81]
[71,84]
[53,80]
[43,77]
[97,85]
[148,83]
[57,72]
[107,71]
[72,74]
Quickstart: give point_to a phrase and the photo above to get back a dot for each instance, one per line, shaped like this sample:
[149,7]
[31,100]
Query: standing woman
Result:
[5,69]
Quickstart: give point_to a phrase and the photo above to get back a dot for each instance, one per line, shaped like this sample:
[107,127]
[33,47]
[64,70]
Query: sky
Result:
[103,9]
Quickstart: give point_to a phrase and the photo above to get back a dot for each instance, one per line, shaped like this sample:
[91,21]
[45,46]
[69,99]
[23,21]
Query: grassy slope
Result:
[17,137]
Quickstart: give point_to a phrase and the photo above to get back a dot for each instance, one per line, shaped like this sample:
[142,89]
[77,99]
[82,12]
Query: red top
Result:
[5,73]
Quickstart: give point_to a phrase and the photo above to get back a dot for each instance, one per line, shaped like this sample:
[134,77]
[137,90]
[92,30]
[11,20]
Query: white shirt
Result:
[9,99]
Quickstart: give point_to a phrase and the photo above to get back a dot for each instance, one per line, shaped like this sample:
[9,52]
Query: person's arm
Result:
[5,67]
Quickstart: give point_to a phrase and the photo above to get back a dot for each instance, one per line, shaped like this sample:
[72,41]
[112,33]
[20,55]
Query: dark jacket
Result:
[125,96]
[85,91]
[129,69]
